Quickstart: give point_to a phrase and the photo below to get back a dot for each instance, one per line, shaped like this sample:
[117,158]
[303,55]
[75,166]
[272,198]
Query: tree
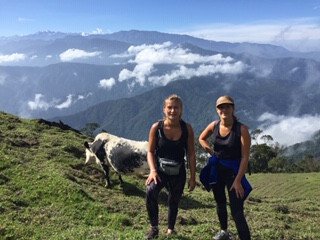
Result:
[278,164]
[266,156]
[266,138]
[309,164]
[255,134]
[260,155]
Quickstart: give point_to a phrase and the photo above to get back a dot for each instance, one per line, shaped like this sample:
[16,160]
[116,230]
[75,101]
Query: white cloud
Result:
[72,54]
[292,71]
[81,97]
[38,103]
[97,31]
[202,70]
[71,100]
[288,130]
[167,54]
[65,104]
[301,34]
[146,57]
[48,57]
[107,83]
[122,55]
[15,57]
[140,72]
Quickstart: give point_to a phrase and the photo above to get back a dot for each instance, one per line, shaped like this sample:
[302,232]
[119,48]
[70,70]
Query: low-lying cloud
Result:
[15,57]
[288,130]
[73,54]
[185,63]
[41,103]
[65,104]
[107,83]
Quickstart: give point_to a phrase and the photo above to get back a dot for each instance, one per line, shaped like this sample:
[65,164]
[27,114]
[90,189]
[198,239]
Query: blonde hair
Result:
[176,98]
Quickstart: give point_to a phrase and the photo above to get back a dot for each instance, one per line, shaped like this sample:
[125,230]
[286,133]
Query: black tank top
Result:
[228,147]
[172,149]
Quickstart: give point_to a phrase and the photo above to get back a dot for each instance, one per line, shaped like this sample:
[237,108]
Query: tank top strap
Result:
[216,129]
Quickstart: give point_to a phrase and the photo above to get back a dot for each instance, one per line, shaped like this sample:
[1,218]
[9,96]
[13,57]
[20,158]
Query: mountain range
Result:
[254,97]
[119,80]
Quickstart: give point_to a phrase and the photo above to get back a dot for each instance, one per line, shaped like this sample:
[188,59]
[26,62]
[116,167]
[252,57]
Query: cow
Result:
[123,155]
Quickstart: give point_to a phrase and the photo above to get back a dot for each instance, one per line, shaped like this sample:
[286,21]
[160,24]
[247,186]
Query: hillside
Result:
[308,148]
[46,192]
[57,89]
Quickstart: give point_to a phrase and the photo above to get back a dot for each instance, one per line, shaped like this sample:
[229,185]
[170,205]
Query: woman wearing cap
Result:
[229,159]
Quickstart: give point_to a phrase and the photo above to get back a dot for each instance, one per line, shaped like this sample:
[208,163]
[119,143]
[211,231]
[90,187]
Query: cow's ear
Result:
[86,144]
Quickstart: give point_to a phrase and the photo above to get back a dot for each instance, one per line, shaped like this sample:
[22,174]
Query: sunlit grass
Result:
[46,192]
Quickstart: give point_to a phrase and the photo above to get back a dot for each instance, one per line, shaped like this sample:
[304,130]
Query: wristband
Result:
[153,170]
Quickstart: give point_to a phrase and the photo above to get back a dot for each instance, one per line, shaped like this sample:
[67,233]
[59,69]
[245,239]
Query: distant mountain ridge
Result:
[140,37]
[47,43]
[48,74]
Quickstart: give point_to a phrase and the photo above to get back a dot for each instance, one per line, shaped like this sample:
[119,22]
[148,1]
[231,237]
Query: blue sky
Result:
[291,23]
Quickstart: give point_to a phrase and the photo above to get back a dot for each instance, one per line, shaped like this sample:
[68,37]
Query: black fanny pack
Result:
[169,166]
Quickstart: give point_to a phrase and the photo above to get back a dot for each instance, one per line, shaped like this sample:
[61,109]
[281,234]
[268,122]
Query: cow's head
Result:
[95,152]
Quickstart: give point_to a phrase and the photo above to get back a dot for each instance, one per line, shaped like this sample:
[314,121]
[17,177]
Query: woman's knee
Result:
[152,191]
[220,200]
[238,215]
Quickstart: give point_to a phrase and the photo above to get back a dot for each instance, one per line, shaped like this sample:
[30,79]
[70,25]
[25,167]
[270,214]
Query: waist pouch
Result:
[169,166]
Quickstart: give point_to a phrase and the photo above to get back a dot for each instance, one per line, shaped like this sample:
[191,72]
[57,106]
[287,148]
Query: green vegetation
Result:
[46,192]
[272,157]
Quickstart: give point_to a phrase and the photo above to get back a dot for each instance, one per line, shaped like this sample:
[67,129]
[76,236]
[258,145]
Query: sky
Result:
[294,24]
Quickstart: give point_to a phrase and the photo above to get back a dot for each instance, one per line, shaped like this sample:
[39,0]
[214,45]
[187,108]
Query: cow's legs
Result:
[120,179]
[105,169]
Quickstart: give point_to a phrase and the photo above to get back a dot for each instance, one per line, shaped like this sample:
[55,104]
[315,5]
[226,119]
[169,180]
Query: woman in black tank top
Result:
[170,141]
[231,142]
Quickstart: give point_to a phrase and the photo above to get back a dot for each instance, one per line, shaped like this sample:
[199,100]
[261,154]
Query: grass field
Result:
[46,192]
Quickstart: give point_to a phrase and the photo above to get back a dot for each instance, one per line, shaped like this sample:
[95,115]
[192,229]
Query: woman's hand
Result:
[237,187]
[153,176]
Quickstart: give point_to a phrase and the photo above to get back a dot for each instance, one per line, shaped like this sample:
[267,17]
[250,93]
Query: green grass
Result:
[46,192]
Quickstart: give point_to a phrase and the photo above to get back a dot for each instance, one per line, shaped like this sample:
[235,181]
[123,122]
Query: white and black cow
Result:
[123,155]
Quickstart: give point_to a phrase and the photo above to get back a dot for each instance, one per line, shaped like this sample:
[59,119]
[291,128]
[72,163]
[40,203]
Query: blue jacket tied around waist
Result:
[209,174]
